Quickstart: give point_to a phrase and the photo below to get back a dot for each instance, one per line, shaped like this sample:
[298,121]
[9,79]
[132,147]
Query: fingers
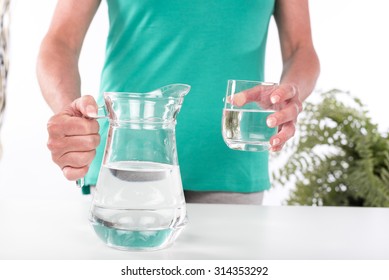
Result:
[284,100]
[266,95]
[258,94]
[73,139]
[87,106]
[287,114]
[286,132]
[283,93]
[73,154]
[63,125]
[76,159]
[73,174]
[285,118]
[84,106]
[61,146]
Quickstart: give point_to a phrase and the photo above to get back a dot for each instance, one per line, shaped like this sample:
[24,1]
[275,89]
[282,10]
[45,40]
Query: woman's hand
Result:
[285,98]
[74,137]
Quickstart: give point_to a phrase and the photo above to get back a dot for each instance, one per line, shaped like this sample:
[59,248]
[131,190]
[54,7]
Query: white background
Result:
[350,37]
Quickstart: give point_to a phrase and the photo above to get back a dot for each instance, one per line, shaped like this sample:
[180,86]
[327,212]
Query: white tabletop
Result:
[59,229]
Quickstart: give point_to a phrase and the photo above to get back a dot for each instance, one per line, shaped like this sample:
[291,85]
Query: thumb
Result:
[86,106]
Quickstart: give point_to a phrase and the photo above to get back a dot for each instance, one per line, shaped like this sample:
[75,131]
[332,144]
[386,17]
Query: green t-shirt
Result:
[203,43]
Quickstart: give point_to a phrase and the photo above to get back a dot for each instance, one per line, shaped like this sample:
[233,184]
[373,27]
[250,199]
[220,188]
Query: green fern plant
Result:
[339,158]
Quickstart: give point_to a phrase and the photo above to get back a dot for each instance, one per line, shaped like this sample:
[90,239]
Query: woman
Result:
[202,43]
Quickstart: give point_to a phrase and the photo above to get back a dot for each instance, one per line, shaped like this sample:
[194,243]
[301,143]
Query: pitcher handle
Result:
[101,114]
[80,182]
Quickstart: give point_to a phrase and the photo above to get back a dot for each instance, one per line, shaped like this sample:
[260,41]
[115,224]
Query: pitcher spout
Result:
[174,91]
[158,106]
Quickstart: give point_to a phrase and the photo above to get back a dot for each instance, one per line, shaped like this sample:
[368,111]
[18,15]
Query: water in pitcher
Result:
[247,129]
[157,206]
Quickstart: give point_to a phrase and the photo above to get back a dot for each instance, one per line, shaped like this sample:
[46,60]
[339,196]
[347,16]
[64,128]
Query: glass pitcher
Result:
[139,202]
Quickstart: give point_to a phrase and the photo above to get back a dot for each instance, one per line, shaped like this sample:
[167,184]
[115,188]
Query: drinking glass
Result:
[246,107]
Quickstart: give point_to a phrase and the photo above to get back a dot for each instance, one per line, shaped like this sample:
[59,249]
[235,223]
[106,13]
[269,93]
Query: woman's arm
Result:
[300,61]
[300,67]
[57,66]
[72,137]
